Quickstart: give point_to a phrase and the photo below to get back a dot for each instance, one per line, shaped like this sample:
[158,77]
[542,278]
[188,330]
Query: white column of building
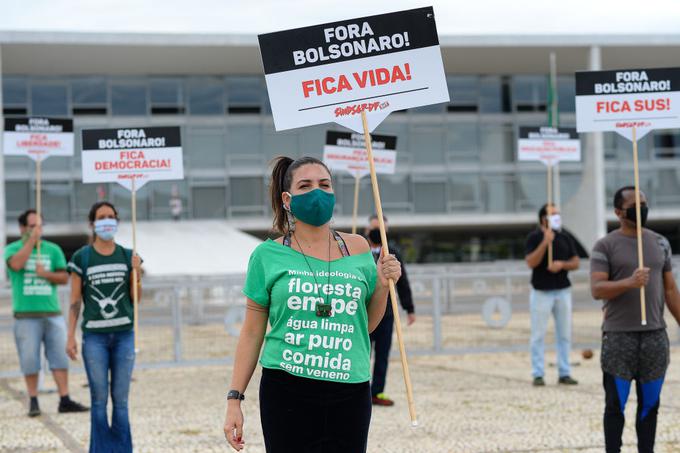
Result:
[584,213]
[3,233]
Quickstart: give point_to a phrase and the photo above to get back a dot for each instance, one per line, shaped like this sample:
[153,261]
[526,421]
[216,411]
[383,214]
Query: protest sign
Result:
[621,100]
[332,72]
[38,138]
[132,154]
[549,145]
[346,151]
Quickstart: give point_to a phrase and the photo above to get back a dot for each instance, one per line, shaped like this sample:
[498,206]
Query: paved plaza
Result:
[466,403]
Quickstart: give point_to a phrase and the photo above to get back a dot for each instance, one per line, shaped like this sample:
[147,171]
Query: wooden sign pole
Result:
[38,200]
[638,226]
[549,210]
[393,292]
[135,287]
[355,211]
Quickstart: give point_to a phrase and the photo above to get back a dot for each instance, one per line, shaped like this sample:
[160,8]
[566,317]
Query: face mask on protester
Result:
[374,236]
[314,207]
[644,211]
[106,228]
[555,222]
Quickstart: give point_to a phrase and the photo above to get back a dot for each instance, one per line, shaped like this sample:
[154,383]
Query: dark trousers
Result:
[301,415]
[381,340]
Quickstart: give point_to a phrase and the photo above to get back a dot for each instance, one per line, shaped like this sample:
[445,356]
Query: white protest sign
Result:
[38,138]
[143,154]
[346,151]
[332,72]
[621,100]
[549,145]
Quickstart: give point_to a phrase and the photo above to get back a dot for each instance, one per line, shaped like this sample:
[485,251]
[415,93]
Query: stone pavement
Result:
[466,403]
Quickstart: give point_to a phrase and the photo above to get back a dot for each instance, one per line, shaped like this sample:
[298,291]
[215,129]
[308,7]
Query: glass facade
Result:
[452,158]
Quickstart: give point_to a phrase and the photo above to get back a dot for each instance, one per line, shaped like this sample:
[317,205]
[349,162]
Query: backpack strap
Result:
[84,263]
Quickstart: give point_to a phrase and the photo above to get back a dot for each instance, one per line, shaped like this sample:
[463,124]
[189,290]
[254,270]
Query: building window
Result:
[429,197]
[245,95]
[129,99]
[666,145]
[463,94]
[205,148]
[246,196]
[206,97]
[491,95]
[209,202]
[14,96]
[529,93]
[49,100]
[89,96]
[18,198]
[166,97]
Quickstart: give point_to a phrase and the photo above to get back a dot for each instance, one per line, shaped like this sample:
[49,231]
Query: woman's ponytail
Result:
[277,186]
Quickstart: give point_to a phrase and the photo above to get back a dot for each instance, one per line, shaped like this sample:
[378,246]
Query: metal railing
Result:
[461,308]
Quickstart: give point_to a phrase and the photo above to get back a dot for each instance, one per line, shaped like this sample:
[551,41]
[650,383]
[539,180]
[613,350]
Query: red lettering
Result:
[307,87]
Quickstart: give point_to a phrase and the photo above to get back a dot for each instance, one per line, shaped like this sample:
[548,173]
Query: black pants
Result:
[301,415]
[381,339]
[642,356]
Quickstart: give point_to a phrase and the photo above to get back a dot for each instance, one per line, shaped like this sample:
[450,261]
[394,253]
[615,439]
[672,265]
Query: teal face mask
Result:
[314,207]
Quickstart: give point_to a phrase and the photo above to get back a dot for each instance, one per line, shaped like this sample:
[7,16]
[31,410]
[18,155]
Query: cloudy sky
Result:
[454,17]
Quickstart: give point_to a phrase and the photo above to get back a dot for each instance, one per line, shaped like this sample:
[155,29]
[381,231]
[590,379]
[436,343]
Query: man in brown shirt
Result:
[631,350]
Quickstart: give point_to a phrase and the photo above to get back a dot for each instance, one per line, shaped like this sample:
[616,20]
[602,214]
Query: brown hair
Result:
[282,177]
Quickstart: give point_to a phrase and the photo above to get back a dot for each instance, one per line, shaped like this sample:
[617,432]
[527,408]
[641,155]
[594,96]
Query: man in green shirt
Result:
[34,277]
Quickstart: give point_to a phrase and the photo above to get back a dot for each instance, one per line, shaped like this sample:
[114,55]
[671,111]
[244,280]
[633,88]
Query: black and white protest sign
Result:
[346,151]
[143,154]
[38,138]
[332,72]
[621,100]
[549,145]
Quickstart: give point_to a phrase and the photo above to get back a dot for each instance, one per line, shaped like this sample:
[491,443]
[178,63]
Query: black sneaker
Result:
[68,405]
[34,408]
[539,382]
[567,380]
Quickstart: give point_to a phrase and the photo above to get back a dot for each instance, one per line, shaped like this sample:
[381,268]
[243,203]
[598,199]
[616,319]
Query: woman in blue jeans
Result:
[102,282]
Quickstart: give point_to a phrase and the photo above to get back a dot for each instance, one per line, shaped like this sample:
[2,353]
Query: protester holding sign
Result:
[631,350]
[101,280]
[322,294]
[551,292]
[38,320]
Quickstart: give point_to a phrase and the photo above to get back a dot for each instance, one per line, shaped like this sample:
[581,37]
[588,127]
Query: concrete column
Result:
[3,233]
[584,214]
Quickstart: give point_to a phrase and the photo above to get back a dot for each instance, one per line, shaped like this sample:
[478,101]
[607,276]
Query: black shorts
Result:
[643,356]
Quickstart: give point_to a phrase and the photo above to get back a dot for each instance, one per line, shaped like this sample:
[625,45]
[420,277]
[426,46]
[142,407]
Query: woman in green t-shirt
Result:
[322,294]
[101,280]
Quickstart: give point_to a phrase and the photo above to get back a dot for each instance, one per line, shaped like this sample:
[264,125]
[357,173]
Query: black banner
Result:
[627,81]
[348,40]
[351,139]
[38,124]
[131,138]
[548,133]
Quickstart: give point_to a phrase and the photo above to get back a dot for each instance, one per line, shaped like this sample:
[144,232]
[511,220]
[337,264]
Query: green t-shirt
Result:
[30,293]
[336,348]
[106,292]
